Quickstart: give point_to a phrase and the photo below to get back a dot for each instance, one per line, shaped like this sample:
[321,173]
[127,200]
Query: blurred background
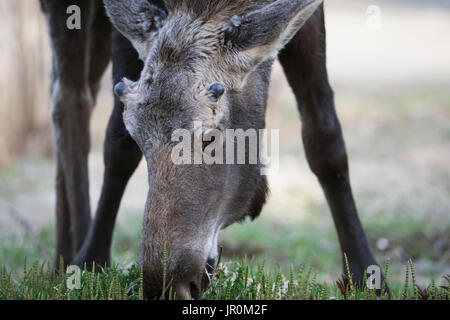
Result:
[390,68]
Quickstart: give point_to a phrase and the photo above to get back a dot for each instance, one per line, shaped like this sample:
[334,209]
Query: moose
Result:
[176,62]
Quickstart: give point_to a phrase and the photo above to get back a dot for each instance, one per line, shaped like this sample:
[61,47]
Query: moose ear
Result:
[137,20]
[267,30]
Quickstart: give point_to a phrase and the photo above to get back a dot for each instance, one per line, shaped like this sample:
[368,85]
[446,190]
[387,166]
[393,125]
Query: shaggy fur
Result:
[182,50]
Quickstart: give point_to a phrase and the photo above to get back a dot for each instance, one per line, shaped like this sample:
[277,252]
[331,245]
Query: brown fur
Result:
[187,48]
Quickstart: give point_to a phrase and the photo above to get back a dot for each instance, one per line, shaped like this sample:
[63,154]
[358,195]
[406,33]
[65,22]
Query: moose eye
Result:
[216,91]
[207,143]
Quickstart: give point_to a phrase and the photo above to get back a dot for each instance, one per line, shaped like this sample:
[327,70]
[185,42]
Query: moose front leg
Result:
[304,62]
[121,157]
[72,103]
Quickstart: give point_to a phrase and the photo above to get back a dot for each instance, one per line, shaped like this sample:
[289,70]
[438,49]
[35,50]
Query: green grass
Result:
[239,280]
[283,245]
[398,151]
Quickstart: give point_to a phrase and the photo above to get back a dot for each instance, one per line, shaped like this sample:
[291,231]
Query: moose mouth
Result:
[194,289]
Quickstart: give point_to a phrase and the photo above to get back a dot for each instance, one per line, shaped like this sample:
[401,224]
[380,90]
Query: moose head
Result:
[205,62]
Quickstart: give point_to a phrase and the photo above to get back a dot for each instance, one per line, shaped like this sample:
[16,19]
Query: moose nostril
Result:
[195,290]
[119,89]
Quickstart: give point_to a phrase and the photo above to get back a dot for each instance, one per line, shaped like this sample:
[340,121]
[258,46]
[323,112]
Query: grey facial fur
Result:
[196,45]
